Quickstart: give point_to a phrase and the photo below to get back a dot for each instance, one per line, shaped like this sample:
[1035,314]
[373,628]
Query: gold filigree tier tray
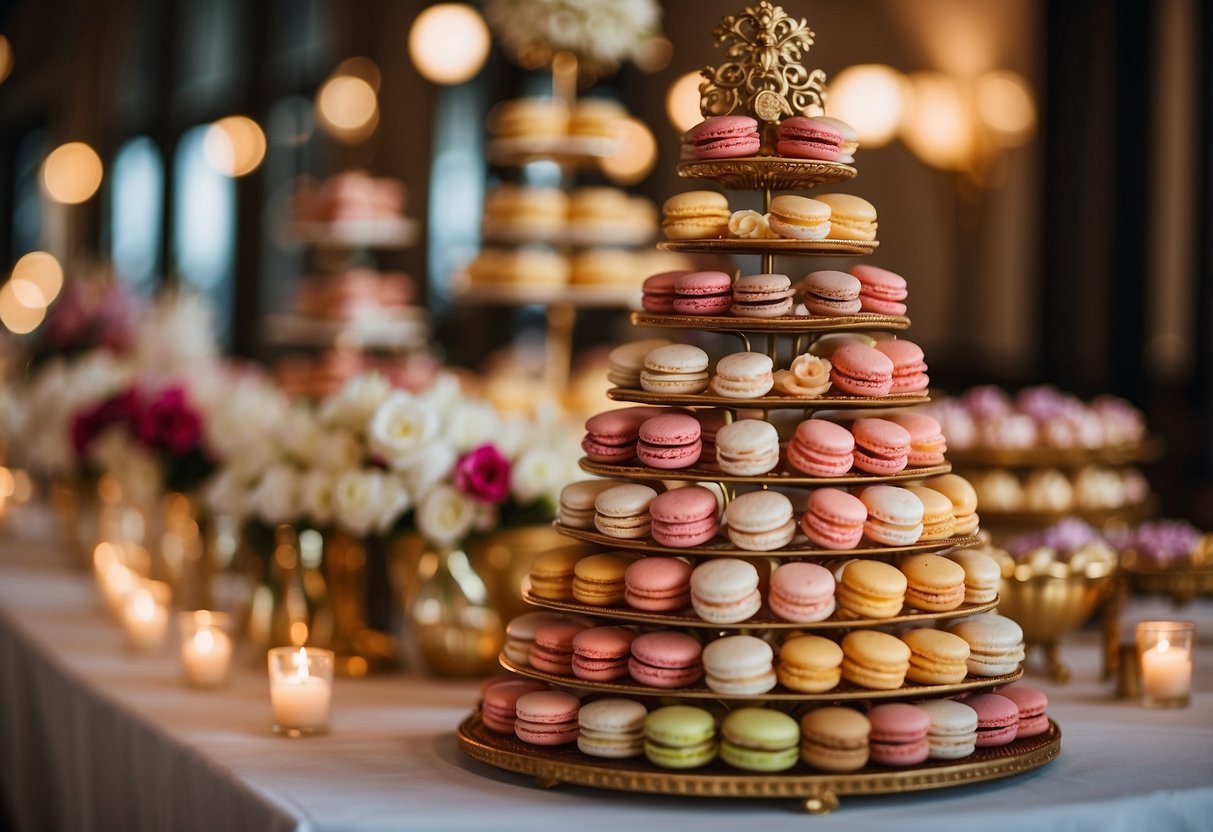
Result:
[845,692]
[603,237]
[783,476]
[1129,453]
[572,151]
[818,791]
[769,402]
[758,173]
[1131,513]
[764,620]
[800,248]
[581,297]
[784,325]
[800,547]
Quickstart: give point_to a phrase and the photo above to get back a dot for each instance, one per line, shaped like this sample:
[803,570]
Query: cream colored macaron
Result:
[799,218]
[696,215]
[851,217]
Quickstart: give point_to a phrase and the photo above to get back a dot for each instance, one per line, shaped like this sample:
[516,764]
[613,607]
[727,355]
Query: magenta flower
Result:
[122,409]
[170,424]
[484,474]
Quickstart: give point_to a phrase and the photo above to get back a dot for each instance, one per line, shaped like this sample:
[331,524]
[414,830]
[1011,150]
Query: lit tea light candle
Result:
[145,620]
[117,583]
[206,648]
[301,689]
[1164,649]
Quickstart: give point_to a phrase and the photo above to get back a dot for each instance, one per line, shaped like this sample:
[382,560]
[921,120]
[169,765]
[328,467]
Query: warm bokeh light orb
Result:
[71,173]
[15,315]
[1005,107]
[636,154]
[234,145]
[449,43]
[654,54]
[347,108]
[360,67]
[682,102]
[38,270]
[6,58]
[870,98]
[937,125]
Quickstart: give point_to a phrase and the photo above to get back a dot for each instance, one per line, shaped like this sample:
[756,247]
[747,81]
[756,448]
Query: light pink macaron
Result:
[829,292]
[703,293]
[881,291]
[656,584]
[723,137]
[547,717]
[833,519]
[600,654]
[821,449]
[861,370]
[881,447]
[909,368]
[899,734]
[666,659]
[805,137]
[684,517]
[997,719]
[659,292]
[500,700]
[802,592]
[1032,704]
[669,441]
[927,442]
[762,296]
[610,437]
[552,651]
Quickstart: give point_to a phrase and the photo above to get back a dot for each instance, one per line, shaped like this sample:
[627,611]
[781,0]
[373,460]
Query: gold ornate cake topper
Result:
[763,74]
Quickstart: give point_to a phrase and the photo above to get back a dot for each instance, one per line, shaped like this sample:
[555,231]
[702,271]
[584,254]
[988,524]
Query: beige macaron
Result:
[747,447]
[760,521]
[744,375]
[964,501]
[677,369]
[851,217]
[625,361]
[799,218]
[696,215]
[982,575]
[577,502]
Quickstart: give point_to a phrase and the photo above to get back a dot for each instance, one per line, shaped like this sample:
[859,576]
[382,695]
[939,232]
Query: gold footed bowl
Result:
[818,792]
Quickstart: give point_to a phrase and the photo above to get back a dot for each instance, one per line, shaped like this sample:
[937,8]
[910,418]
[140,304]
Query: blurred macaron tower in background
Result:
[786,511]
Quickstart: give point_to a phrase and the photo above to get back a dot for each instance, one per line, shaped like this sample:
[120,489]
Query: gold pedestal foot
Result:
[545,782]
[821,803]
[1058,671]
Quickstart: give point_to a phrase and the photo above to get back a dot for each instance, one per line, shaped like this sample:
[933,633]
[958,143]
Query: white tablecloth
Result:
[92,737]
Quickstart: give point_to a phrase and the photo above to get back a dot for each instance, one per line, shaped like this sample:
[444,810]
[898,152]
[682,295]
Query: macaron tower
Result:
[790,568]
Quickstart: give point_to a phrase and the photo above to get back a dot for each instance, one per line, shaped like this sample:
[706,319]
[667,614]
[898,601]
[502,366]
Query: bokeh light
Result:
[347,108]
[234,145]
[449,43]
[15,315]
[937,126]
[654,54]
[682,102]
[41,271]
[636,153]
[870,98]
[1005,107]
[6,58]
[72,173]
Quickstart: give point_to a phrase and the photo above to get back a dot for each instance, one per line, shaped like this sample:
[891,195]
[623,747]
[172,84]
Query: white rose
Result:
[316,496]
[276,497]
[400,429]
[445,515]
[514,434]
[252,456]
[228,493]
[471,424]
[351,407]
[539,472]
[300,435]
[358,500]
[443,392]
[337,450]
[431,466]
[393,502]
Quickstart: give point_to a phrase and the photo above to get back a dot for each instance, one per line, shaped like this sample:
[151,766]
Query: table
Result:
[93,738]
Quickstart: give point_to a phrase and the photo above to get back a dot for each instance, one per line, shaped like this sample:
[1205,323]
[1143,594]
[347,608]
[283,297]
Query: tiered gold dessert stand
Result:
[820,792]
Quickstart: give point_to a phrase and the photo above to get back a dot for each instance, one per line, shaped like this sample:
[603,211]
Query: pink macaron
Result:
[552,651]
[723,137]
[655,584]
[659,292]
[803,137]
[684,517]
[833,519]
[547,717]
[909,368]
[610,437]
[1032,703]
[821,449]
[669,441]
[880,290]
[600,654]
[498,708]
[802,592]
[927,442]
[703,293]
[899,734]
[861,370]
[666,659]
[997,719]
[881,447]
[830,292]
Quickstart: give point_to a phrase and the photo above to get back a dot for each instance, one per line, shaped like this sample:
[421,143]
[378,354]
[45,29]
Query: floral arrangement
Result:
[373,460]
[89,314]
[601,33]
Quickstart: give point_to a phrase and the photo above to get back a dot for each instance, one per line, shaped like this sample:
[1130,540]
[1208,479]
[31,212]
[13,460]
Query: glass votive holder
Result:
[145,616]
[1164,654]
[301,689]
[206,647]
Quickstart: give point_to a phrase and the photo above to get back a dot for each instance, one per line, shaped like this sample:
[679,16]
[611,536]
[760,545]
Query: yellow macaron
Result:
[696,215]
[799,218]
[875,660]
[810,664]
[851,217]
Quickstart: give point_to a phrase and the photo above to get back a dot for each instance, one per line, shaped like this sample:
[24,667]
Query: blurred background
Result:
[1043,174]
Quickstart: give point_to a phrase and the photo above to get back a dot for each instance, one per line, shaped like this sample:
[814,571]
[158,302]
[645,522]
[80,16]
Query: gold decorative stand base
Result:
[818,792]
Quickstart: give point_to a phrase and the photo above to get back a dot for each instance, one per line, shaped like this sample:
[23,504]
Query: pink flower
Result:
[123,409]
[169,423]
[484,474]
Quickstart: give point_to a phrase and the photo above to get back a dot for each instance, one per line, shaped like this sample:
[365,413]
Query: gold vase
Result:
[286,604]
[352,574]
[503,560]
[183,551]
[452,626]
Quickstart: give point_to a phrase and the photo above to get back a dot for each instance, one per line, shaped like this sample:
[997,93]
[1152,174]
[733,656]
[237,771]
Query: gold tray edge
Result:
[693,474]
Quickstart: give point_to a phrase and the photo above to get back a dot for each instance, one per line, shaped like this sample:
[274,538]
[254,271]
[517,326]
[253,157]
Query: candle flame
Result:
[143,605]
[1163,645]
[204,641]
[301,668]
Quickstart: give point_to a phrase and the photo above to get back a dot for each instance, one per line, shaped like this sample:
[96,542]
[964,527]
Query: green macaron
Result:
[680,736]
[760,739]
